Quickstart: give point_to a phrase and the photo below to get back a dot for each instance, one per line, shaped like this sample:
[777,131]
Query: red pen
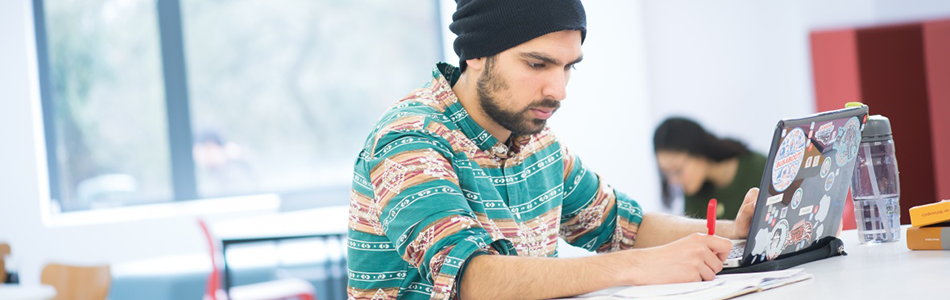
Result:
[711,216]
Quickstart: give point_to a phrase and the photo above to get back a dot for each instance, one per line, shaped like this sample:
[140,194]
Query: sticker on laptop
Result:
[778,240]
[771,215]
[761,241]
[801,232]
[823,208]
[784,211]
[788,159]
[796,198]
[811,134]
[830,181]
[774,199]
[825,133]
[847,146]
[826,167]
[806,210]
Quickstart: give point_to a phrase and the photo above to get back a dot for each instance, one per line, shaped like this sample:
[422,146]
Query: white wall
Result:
[734,66]
[607,110]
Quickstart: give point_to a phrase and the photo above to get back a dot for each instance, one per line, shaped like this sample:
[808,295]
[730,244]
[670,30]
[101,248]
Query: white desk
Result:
[881,271]
[878,271]
[26,292]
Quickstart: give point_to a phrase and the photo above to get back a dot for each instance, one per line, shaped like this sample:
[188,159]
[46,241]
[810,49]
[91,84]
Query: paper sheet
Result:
[723,287]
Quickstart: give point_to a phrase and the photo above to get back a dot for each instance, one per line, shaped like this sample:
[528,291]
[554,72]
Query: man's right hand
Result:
[696,257]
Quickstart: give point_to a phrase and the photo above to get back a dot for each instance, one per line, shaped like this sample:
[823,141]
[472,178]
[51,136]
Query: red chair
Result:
[288,288]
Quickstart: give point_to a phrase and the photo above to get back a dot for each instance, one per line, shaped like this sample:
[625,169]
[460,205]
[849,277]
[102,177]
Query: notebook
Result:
[804,185]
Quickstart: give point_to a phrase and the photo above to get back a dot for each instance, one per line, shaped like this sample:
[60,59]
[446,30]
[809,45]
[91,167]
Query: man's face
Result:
[522,87]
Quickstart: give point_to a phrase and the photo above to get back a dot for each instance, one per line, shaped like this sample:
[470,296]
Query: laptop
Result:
[804,186]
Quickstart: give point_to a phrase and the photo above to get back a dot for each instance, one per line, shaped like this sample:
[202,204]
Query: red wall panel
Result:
[902,72]
[894,84]
[835,67]
[937,57]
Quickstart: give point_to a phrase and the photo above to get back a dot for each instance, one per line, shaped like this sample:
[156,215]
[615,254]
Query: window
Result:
[154,101]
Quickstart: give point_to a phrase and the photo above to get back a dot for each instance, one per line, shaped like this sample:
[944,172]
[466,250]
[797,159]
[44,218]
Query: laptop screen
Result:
[805,182]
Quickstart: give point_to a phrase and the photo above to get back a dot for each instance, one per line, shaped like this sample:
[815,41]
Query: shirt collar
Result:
[445,76]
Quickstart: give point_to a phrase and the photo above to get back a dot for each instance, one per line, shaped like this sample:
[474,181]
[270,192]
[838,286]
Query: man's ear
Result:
[475,64]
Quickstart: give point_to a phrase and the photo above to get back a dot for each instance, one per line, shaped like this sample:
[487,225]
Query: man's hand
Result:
[744,217]
[696,257]
[692,258]
[669,249]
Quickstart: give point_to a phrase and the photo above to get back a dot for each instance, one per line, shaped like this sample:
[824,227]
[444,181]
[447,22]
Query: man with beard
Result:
[461,191]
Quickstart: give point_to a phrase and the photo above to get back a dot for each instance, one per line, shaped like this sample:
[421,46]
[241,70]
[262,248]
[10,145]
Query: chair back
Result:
[214,280]
[4,251]
[77,282]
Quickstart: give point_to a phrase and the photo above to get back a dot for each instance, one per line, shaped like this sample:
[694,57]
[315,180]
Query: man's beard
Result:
[519,123]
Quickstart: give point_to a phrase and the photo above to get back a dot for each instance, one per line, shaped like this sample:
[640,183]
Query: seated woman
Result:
[704,166]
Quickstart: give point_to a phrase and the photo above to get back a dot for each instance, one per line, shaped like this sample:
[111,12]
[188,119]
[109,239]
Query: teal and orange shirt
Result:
[432,188]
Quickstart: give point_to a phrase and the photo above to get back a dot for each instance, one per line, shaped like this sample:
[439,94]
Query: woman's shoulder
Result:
[753,159]
[751,166]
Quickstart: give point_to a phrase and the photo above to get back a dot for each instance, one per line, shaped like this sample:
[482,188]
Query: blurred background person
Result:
[698,165]
[220,166]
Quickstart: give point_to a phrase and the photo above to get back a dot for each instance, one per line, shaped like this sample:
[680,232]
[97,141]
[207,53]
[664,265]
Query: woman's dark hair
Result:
[685,135]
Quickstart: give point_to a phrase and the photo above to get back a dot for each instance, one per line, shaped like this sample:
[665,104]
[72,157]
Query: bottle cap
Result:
[877,128]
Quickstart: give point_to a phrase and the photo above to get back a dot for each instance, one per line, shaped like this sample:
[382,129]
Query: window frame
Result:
[184,182]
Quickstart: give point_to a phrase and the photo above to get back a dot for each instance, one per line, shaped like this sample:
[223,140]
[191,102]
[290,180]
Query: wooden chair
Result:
[77,282]
[4,251]
[289,288]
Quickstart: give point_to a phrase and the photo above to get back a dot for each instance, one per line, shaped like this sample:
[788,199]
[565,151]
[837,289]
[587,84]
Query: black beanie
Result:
[488,27]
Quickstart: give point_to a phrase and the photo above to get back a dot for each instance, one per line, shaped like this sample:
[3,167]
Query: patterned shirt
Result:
[432,188]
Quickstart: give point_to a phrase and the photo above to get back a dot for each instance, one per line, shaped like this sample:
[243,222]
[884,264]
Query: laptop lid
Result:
[805,183]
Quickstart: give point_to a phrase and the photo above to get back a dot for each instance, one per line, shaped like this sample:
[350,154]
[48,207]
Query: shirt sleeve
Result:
[423,211]
[594,216]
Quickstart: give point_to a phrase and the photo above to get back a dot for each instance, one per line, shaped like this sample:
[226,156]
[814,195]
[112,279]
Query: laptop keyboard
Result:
[737,249]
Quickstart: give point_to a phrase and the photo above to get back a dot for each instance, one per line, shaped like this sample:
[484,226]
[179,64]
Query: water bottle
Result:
[875,186]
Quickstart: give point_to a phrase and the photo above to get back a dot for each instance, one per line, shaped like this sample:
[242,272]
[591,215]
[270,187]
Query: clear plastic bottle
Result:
[875,185]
